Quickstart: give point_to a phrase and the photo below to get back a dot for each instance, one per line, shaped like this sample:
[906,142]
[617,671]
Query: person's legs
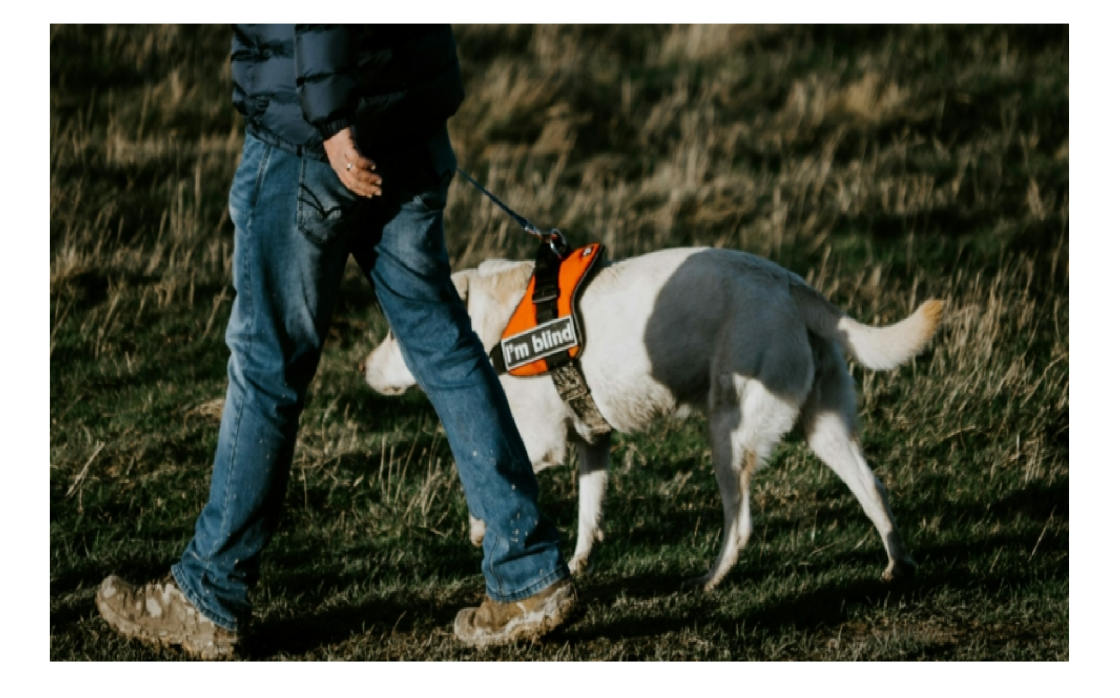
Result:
[293,220]
[407,264]
[412,278]
[292,217]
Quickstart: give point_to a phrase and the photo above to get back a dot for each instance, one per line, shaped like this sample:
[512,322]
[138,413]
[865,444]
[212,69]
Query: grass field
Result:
[885,165]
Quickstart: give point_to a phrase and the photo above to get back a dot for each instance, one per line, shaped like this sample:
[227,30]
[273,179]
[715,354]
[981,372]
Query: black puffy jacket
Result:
[300,84]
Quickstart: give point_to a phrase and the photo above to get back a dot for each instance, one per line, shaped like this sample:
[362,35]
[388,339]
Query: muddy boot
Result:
[496,623]
[159,614]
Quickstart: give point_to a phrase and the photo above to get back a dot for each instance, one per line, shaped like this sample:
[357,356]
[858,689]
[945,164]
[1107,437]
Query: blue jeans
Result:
[295,227]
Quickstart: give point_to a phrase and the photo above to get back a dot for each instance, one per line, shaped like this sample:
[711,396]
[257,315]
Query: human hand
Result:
[354,169]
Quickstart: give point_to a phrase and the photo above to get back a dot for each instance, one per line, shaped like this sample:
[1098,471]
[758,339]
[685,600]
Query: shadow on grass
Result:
[944,568]
[826,606]
[302,634]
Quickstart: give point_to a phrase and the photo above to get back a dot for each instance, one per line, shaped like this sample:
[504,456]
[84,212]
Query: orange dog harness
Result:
[544,334]
[544,330]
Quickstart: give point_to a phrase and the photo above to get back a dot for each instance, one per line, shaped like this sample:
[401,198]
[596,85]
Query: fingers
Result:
[355,170]
[358,174]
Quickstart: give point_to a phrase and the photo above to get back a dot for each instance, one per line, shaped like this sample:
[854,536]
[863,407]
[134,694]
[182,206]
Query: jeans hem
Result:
[531,590]
[210,615]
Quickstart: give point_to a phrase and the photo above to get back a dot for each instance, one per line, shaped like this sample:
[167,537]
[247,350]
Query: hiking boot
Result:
[160,614]
[497,623]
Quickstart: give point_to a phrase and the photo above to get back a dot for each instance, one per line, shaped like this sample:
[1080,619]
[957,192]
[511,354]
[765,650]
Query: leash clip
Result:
[553,238]
[557,243]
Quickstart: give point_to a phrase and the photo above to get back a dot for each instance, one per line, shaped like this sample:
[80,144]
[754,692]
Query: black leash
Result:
[554,238]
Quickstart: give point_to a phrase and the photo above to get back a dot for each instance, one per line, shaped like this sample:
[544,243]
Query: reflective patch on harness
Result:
[541,341]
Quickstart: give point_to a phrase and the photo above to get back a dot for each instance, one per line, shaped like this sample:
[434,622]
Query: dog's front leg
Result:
[594,463]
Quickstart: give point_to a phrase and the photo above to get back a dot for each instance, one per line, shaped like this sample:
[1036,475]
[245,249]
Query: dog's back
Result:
[661,327]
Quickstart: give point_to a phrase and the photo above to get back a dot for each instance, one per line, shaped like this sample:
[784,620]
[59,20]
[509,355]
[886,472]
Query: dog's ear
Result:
[462,279]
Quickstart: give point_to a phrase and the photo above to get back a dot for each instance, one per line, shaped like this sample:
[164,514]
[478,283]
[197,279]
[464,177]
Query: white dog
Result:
[734,335]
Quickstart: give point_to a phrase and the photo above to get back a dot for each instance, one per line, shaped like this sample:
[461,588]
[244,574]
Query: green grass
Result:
[885,164]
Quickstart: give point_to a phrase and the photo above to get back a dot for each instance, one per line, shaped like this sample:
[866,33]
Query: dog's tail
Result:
[877,348]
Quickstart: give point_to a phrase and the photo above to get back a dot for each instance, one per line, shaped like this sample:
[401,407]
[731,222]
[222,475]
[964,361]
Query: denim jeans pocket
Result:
[325,208]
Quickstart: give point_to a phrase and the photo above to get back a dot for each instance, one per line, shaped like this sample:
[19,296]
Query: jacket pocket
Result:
[325,208]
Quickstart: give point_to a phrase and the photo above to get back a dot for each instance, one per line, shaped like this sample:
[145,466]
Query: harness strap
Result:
[498,359]
[572,386]
[546,293]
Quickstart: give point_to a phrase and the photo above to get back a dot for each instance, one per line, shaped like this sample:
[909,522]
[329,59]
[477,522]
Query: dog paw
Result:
[702,584]
[580,565]
[477,531]
[900,570]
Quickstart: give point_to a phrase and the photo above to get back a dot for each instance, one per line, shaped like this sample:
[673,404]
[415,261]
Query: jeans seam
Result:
[236,428]
[489,559]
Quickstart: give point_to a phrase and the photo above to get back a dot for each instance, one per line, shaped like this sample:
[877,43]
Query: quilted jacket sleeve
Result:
[326,75]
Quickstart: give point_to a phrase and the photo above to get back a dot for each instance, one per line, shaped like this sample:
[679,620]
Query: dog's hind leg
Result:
[727,457]
[594,462]
[746,421]
[830,423]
